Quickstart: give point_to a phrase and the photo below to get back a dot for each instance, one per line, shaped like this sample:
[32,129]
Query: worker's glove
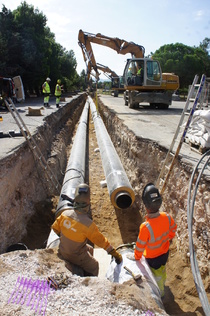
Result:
[116,255]
[131,256]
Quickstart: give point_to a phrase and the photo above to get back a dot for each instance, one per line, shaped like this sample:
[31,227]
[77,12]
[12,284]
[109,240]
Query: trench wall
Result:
[23,182]
[142,160]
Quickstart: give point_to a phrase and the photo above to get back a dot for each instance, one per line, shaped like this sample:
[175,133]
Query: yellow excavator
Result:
[143,77]
[107,71]
[117,81]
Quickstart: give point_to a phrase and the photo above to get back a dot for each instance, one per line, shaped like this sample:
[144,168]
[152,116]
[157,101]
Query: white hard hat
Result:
[48,79]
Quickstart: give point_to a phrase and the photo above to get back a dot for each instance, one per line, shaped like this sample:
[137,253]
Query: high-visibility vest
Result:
[46,88]
[139,72]
[154,236]
[57,90]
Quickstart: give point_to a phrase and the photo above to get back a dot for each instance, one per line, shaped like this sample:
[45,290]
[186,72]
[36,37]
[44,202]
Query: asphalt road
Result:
[9,144]
[154,124]
[157,125]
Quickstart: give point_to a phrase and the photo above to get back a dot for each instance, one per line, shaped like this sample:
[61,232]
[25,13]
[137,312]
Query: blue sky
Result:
[151,24]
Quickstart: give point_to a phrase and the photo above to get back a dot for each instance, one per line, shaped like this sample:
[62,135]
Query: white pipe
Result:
[121,193]
[75,171]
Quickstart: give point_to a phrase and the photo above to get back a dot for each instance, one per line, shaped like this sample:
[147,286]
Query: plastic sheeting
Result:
[117,273]
[199,130]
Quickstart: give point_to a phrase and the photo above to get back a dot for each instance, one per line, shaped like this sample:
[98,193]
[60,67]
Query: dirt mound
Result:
[75,296]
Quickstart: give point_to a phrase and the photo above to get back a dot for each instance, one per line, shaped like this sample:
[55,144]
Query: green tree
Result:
[9,40]
[28,48]
[82,84]
[32,59]
[205,45]
[184,61]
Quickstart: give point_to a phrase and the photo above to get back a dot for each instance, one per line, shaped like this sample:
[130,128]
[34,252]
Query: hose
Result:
[192,191]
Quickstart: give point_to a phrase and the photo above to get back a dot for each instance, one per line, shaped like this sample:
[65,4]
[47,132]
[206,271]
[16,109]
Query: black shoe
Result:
[57,105]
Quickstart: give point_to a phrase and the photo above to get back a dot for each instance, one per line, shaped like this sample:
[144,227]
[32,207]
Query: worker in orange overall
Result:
[155,235]
[75,228]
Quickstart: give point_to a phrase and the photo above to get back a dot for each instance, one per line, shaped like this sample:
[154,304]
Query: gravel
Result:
[76,295]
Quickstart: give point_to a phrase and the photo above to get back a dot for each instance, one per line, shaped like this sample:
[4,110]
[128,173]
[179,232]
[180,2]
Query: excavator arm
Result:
[107,71]
[119,45]
[89,60]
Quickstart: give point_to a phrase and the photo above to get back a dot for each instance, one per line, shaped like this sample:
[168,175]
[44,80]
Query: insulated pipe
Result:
[75,171]
[119,188]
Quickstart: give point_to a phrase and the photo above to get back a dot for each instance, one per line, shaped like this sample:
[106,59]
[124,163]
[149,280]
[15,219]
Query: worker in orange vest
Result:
[155,235]
[75,228]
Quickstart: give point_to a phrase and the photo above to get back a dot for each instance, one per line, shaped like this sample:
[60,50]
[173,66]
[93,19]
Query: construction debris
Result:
[35,111]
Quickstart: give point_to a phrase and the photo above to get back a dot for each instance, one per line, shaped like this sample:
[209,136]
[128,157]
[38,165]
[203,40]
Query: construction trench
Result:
[29,202]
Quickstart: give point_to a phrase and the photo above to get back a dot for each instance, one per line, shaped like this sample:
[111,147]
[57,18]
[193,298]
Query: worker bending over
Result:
[154,235]
[75,228]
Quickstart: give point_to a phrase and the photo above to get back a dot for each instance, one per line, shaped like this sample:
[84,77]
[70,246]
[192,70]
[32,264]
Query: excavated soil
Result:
[141,160]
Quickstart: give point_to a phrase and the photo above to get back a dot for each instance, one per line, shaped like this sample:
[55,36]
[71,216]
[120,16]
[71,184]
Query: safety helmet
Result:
[82,195]
[151,198]
[48,79]
[59,81]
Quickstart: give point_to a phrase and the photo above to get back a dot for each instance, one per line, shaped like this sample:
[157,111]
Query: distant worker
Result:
[140,75]
[75,228]
[46,92]
[155,235]
[58,91]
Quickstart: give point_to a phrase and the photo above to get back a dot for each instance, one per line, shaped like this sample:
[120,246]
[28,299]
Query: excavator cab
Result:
[118,82]
[142,72]
[145,83]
